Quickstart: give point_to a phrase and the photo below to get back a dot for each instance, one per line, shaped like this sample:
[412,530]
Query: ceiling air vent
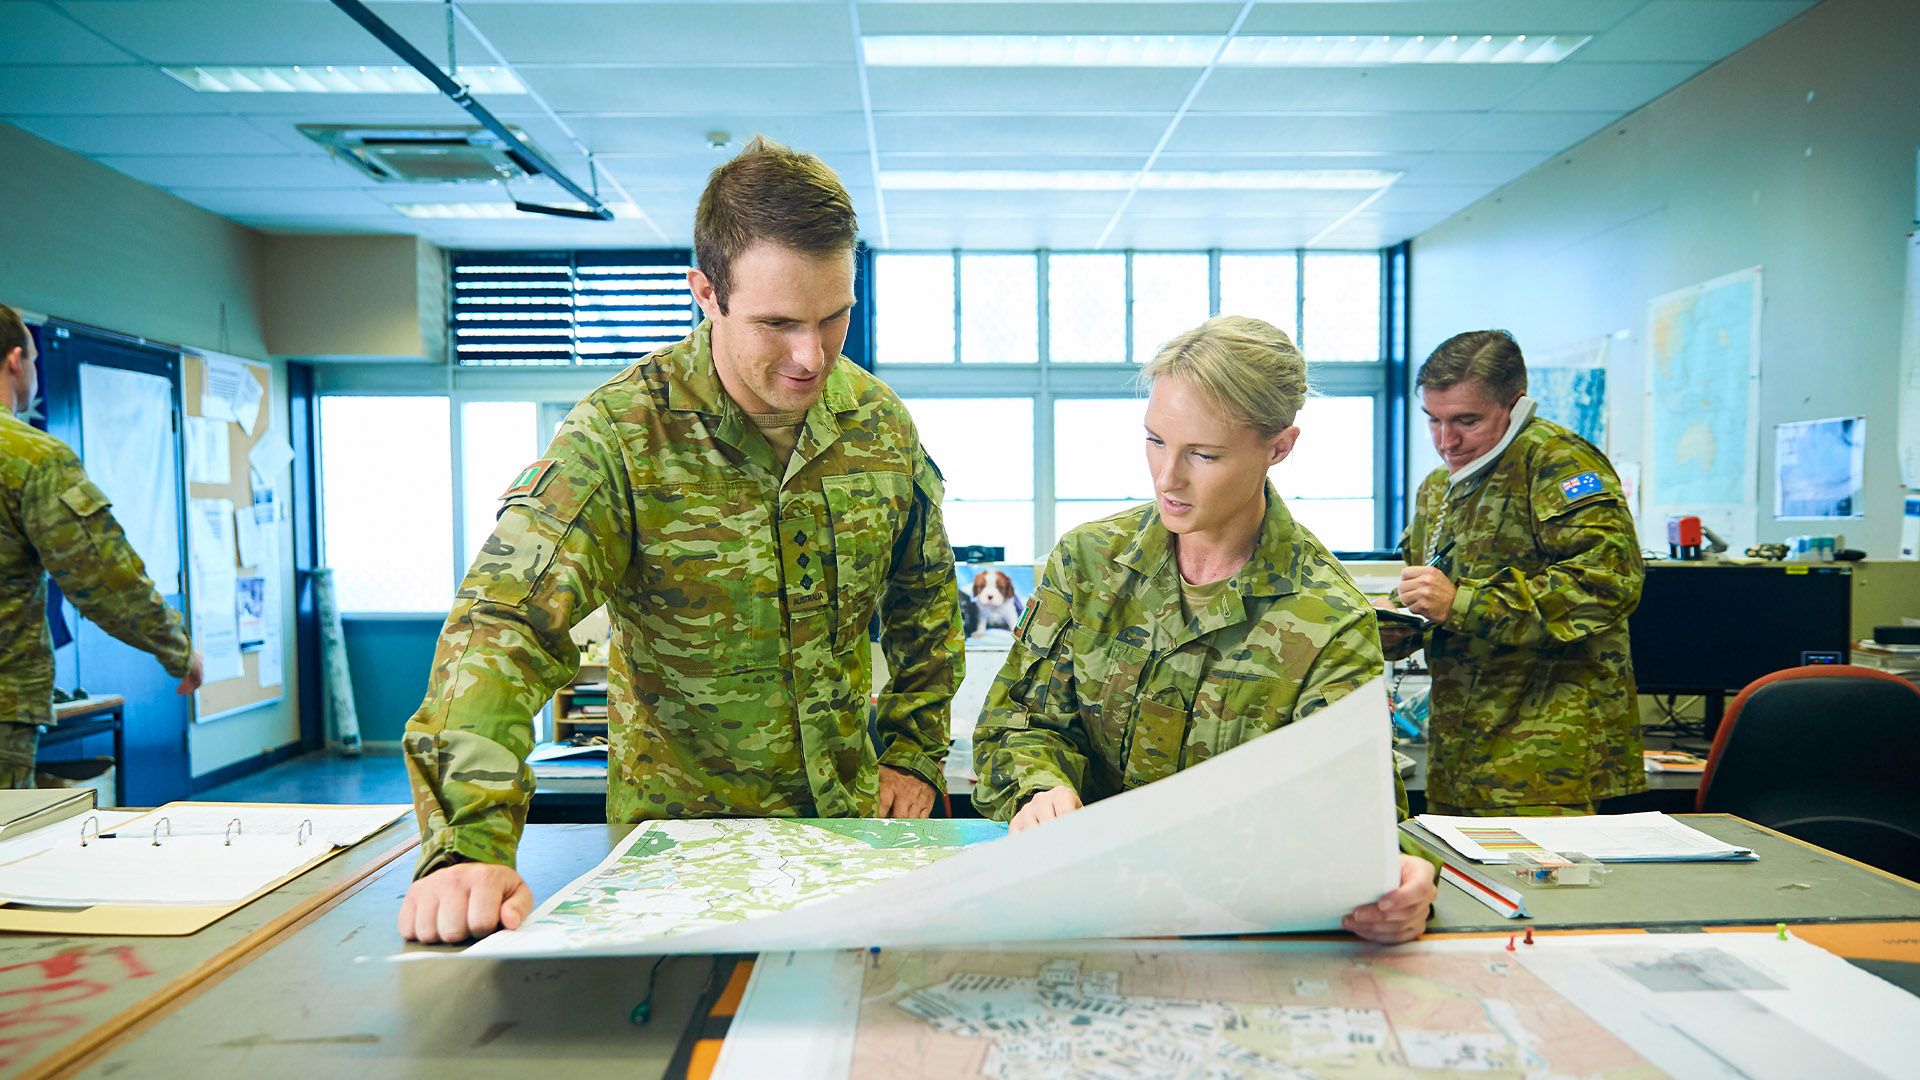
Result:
[422,155]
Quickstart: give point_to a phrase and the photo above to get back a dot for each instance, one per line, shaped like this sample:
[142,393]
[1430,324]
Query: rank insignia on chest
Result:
[1579,487]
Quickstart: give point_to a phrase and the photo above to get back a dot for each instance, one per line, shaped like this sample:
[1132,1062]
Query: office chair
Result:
[1829,754]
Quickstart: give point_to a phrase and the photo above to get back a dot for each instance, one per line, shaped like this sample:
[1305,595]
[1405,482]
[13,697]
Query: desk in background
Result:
[103,714]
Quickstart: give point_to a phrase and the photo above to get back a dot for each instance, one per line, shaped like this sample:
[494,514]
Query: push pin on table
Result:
[1528,940]
[1781,928]
[1510,938]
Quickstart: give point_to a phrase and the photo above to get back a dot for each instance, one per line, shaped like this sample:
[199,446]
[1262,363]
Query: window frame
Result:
[1047,381]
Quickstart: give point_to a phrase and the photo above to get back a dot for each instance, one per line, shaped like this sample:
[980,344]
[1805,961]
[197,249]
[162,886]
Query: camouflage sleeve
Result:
[1593,580]
[563,537]
[921,638]
[1351,660]
[71,527]
[1030,737]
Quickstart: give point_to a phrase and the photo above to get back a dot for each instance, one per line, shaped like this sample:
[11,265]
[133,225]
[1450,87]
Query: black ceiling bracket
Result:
[516,148]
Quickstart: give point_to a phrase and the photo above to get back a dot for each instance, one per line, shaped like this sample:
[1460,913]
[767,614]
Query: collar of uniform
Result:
[1272,571]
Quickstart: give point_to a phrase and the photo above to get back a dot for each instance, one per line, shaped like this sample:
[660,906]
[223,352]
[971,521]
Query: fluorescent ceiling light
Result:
[337,79]
[1122,180]
[497,211]
[1198,50]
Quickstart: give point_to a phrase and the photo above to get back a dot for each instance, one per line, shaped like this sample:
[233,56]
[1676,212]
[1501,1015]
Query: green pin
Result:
[1782,928]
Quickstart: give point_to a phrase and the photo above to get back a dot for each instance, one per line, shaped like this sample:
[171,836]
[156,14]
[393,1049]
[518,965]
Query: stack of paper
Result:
[558,761]
[27,809]
[1648,837]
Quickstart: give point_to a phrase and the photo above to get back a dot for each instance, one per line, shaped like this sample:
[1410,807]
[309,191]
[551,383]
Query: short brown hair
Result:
[13,331]
[1488,357]
[1251,370]
[773,193]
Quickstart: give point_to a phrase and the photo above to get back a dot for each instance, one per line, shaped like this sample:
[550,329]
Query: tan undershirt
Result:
[1195,598]
[782,430]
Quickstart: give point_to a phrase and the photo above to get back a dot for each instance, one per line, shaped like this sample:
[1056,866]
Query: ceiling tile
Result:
[828,134]
[1037,90]
[1383,133]
[263,31]
[753,91]
[1002,202]
[315,201]
[1051,134]
[1044,18]
[261,172]
[1428,88]
[1248,204]
[97,135]
[1441,17]
[578,33]
[54,38]
[31,90]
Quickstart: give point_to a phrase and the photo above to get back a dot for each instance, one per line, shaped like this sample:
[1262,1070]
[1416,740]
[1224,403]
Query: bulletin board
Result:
[247,690]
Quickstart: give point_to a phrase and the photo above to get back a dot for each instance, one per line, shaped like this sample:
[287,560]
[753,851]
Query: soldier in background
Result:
[1173,632]
[743,503]
[54,520]
[1524,556]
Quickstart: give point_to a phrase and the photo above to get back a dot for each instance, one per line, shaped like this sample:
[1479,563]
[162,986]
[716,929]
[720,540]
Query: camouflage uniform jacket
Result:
[54,520]
[739,598]
[1533,693]
[1109,686]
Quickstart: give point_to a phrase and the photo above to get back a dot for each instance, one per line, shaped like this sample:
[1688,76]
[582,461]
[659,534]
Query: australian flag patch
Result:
[1579,487]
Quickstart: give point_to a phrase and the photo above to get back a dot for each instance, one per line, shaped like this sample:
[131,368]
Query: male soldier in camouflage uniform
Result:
[1524,556]
[1167,634]
[743,504]
[53,520]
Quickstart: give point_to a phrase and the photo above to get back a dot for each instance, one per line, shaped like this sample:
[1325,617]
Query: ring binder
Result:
[168,822]
[233,830]
[303,833]
[93,820]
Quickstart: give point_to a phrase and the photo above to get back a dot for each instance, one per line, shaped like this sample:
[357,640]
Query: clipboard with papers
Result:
[169,871]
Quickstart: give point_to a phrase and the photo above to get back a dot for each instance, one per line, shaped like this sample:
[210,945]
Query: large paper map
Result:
[1620,1007]
[676,877]
[1195,853]
[1703,369]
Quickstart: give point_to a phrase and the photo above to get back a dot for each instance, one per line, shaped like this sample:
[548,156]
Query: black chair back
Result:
[1830,755]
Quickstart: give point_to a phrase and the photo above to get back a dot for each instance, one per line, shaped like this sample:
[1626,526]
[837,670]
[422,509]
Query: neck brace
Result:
[1522,412]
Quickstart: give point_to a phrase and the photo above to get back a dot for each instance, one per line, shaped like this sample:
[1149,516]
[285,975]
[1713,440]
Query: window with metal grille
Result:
[568,308]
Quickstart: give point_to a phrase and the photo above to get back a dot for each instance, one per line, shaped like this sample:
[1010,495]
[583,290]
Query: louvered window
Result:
[568,308]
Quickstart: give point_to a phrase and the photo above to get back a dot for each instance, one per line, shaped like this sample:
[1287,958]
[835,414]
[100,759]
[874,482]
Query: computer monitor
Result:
[1705,628]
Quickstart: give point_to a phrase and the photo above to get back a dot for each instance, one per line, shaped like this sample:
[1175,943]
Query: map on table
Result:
[1622,1007]
[676,877]
[1195,853]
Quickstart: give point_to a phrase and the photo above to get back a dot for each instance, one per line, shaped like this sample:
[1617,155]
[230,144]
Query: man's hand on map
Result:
[464,900]
[903,794]
[1045,806]
[1401,915]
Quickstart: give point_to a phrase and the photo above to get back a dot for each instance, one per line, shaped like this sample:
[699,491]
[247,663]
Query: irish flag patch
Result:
[529,478]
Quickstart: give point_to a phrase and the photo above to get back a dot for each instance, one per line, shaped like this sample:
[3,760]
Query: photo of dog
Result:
[994,597]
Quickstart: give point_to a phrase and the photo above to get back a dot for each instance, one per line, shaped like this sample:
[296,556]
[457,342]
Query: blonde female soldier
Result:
[1180,629]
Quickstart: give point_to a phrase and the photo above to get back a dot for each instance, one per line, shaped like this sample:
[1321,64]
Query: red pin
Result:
[1510,942]
[1528,940]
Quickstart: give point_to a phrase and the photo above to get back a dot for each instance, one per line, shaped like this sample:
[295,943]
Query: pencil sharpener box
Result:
[1549,869]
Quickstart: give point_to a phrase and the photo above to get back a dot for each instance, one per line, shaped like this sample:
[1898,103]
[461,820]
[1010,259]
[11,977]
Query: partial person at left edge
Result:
[53,520]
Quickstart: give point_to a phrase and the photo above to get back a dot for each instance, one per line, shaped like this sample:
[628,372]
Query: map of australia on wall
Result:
[1702,376]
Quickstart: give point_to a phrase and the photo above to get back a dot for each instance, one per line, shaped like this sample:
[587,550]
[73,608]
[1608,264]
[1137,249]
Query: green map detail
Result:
[677,877]
[910,833]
